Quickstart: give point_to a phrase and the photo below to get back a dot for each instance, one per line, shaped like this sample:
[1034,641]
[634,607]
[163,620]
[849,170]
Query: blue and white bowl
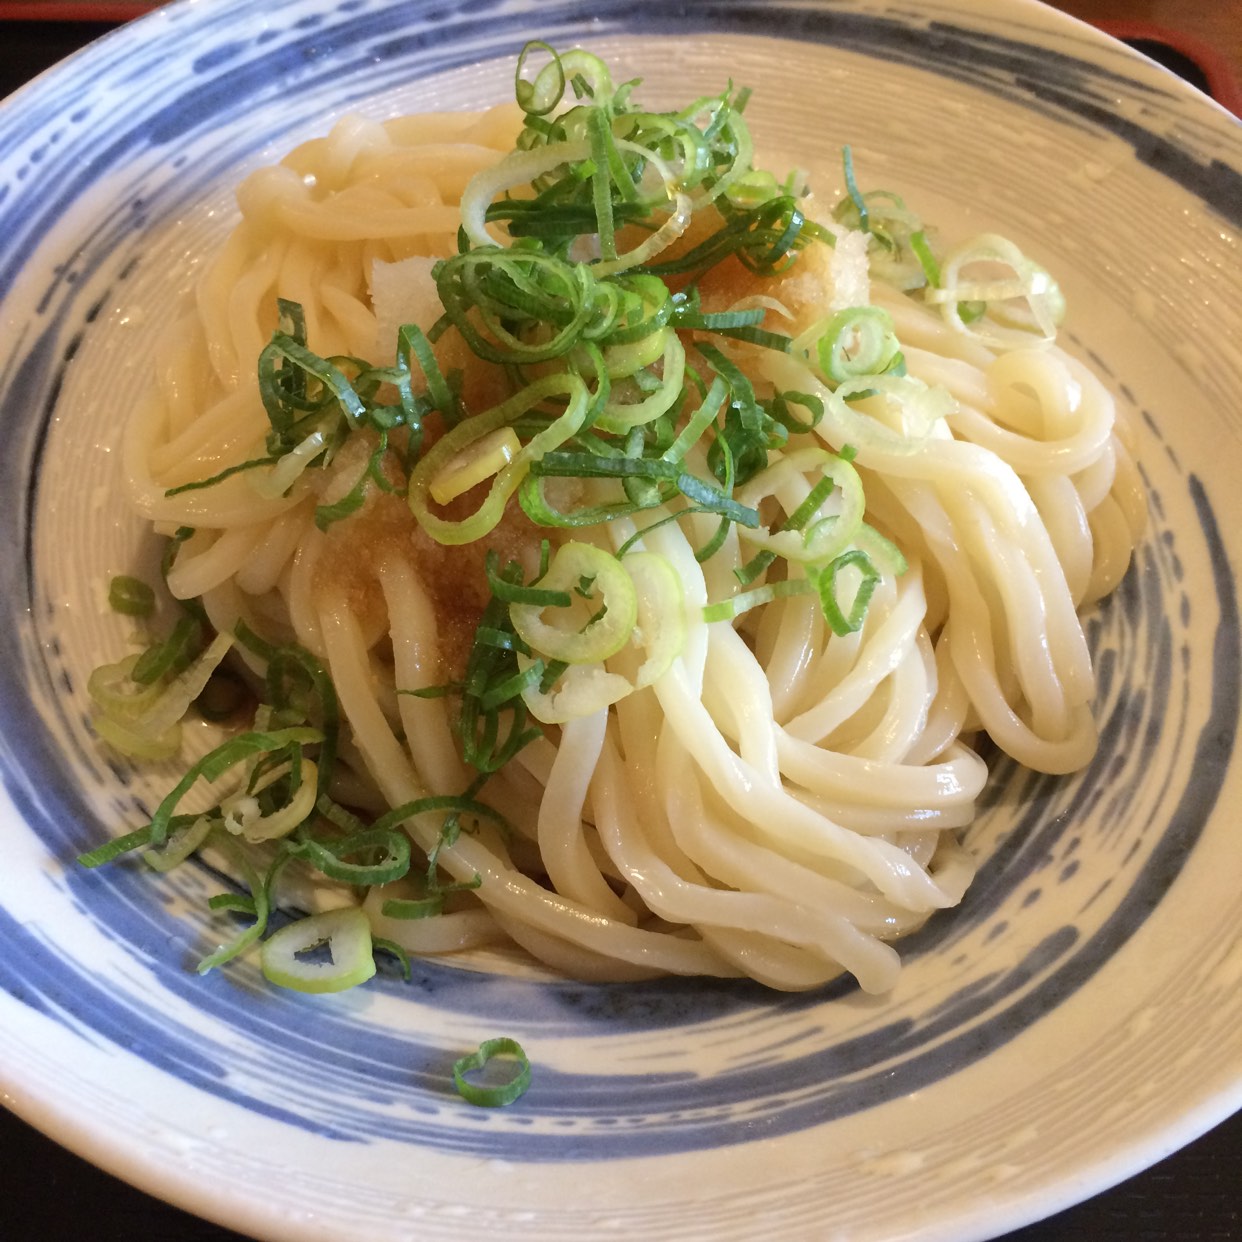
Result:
[1073,1021]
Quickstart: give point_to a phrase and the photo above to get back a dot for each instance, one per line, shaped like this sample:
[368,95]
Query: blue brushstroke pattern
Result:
[128,104]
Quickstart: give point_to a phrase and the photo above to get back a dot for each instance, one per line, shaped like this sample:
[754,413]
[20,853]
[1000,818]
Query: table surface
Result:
[1193,1196]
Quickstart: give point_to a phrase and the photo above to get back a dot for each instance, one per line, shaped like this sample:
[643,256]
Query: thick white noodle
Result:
[782,801]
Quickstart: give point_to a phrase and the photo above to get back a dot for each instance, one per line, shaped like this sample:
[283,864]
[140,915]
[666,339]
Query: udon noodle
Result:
[781,800]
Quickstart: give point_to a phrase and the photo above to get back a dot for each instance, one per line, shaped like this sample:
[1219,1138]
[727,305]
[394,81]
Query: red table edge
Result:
[108,11]
[1222,83]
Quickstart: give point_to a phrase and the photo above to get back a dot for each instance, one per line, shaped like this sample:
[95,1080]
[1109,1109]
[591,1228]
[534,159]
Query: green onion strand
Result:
[130,596]
[493,1095]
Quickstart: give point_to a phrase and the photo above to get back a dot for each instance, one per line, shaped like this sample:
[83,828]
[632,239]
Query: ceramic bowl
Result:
[1074,1020]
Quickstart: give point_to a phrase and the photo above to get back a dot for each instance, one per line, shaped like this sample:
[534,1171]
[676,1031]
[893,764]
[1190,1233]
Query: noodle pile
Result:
[782,800]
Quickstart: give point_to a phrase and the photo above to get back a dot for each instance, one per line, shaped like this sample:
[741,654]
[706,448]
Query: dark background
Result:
[47,1194]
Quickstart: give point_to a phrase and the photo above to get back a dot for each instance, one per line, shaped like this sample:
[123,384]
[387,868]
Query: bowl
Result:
[1073,1021]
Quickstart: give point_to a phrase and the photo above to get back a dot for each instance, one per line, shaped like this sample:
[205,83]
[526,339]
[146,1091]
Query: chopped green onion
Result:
[857,341]
[380,944]
[493,1095]
[843,623]
[346,933]
[113,849]
[451,531]
[516,593]
[234,903]
[728,609]
[713,500]
[851,188]
[228,472]
[215,763]
[131,596]
[575,642]
[383,855]
[183,839]
[927,260]
[413,907]
[172,655]
[258,905]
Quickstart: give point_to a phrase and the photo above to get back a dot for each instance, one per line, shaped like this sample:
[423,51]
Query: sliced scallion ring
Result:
[466,530]
[493,1095]
[517,169]
[274,483]
[801,538]
[601,621]
[144,720]
[138,745]
[181,843]
[483,459]
[582,690]
[661,626]
[243,814]
[345,934]
[912,410]
[540,96]
[117,694]
[621,416]
[131,596]
[1024,302]
[856,341]
[826,582]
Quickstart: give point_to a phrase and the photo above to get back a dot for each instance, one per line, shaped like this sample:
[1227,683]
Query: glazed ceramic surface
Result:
[1074,1020]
